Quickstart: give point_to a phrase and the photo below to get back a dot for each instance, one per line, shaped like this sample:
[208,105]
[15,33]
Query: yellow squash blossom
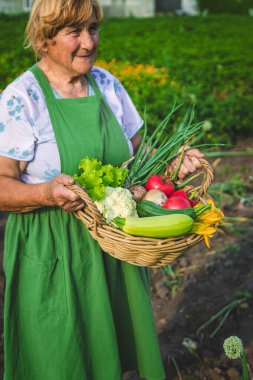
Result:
[207,222]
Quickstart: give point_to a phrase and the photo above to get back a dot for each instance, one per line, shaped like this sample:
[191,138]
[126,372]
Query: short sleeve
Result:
[119,101]
[131,119]
[17,139]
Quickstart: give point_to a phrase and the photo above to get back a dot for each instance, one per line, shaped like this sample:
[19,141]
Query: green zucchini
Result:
[164,226]
[147,209]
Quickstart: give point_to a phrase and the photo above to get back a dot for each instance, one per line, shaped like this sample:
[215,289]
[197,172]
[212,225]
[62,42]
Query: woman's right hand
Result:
[17,196]
[57,194]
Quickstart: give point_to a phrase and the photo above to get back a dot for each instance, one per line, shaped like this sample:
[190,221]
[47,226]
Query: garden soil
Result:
[198,285]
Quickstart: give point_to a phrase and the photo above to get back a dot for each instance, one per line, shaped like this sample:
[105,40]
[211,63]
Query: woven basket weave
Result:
[141,251]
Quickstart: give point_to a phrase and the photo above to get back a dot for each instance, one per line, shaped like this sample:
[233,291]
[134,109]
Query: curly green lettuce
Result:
[95,177]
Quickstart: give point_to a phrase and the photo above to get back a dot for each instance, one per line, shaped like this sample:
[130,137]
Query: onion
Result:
[138,192]
[155,196]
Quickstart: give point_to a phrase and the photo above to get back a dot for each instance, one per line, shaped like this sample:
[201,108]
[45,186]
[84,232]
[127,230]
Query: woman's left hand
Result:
[190,162]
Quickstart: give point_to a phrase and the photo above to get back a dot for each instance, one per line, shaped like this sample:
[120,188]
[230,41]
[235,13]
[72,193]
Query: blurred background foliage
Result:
[236,7]
[207,59]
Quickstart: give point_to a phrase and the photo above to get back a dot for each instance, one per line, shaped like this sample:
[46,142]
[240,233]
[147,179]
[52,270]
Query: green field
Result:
[209,58]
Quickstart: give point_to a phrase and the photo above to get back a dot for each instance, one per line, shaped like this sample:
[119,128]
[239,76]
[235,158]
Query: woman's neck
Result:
[65,84]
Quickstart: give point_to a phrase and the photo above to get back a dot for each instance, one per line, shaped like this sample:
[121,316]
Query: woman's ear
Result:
[44,45]
[41,46]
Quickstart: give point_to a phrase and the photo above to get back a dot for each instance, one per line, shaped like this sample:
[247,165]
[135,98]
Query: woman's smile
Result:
[85,56]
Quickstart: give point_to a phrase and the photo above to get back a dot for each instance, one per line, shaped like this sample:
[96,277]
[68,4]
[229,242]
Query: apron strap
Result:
[43,81]
[104,102]
[93,84]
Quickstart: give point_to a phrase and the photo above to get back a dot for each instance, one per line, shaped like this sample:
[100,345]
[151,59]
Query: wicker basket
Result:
[141,251]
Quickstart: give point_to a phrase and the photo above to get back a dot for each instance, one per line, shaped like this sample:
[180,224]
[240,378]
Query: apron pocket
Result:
[41,285]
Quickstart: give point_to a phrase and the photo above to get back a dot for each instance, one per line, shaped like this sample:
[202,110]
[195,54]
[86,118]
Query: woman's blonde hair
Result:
[49,16]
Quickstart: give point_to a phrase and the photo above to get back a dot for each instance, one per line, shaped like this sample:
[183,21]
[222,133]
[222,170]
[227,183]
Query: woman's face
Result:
[73,50]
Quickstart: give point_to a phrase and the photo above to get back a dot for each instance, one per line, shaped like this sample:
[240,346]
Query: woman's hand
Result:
[190,162]
[17,196]
[57,194]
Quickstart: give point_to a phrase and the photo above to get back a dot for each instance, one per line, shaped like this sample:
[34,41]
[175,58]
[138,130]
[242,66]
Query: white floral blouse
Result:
[26,132]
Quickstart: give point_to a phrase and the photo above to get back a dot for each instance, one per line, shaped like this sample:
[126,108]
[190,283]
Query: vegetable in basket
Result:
[95,177]
[156,151]
[117,202]
[160,182]
[176,203]
[146,208]
[156,196]
[165,226]
[138,192]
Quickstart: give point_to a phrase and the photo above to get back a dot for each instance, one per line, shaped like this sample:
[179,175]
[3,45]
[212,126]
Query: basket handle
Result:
[208,176]
[207,180]
[87,201]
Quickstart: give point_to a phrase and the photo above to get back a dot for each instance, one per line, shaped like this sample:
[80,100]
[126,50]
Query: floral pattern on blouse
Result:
[2,127]
[26,130]
[49,174]
[32,93]
[14,107]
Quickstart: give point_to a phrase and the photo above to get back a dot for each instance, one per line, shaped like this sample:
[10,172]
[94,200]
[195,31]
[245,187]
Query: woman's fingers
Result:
[190,161]
[57,194]
[195,161]
[64,179]
[194,153]
[189,166]
[183,172]
[73,206]
[191,152]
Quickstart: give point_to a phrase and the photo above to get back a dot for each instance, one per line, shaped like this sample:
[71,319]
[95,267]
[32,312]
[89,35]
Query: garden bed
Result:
[195,288]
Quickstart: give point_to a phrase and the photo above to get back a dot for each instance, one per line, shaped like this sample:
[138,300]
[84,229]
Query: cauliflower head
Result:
[117,202]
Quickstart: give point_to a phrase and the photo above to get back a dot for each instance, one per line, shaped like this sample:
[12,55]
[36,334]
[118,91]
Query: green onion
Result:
[146,162]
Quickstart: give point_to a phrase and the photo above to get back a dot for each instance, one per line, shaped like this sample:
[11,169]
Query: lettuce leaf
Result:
[95,177]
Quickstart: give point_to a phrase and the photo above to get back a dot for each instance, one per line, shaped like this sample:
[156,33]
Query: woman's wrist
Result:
[17,196]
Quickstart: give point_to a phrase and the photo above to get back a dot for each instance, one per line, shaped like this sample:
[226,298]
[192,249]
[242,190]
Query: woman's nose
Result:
[87,41]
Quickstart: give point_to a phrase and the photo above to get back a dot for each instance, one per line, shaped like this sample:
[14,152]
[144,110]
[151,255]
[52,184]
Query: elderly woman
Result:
[71,312]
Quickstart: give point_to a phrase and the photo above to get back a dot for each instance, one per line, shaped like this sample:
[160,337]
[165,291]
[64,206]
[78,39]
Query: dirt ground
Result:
[198,285]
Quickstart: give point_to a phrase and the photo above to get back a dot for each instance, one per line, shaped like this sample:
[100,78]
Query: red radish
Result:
[180,193]
[156,181]
[153,182]
[167,188]
[183,194]
[176,203]
[192,202]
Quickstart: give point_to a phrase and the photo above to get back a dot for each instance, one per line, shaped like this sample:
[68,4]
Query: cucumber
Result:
[164,226]
[148,209]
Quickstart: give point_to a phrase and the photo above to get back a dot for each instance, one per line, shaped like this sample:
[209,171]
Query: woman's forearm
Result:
[136,142]
[17,196]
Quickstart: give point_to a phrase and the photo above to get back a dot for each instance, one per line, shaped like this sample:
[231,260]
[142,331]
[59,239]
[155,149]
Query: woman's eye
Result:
[75,32]
[93,29]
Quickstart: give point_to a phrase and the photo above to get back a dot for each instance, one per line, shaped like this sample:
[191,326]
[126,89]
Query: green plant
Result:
[173,280]
[156,151]
[233,348]
[176,367]
[222,315]
[229,191]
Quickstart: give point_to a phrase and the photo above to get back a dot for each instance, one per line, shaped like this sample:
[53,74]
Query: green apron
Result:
[71,311]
